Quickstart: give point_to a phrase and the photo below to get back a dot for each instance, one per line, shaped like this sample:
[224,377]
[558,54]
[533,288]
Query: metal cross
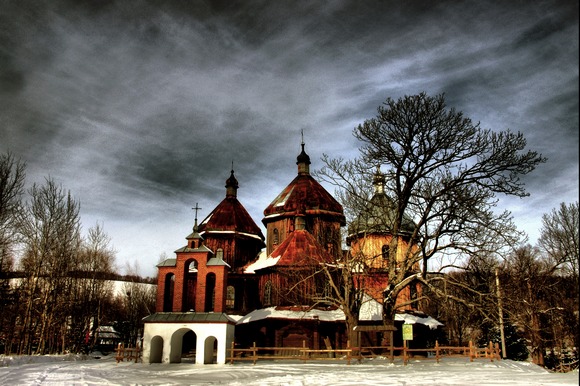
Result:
[196,209]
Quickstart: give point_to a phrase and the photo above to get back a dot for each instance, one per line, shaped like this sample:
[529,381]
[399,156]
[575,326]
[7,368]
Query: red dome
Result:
[305,195]
[230,216]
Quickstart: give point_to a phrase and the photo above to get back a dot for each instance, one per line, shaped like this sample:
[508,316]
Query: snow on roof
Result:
[272,312]
[263,261]
[231,232]
[206,219]
[370,309]
[282,200]
[432,323]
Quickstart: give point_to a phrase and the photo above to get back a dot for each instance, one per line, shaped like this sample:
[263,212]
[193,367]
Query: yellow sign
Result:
[407,332]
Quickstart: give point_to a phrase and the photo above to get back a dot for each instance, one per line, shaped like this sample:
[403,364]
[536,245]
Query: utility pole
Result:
[500,310]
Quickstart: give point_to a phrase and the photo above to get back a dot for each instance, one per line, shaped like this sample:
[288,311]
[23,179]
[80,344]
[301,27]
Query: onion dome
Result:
[232,186]
[379,214]
[303,161]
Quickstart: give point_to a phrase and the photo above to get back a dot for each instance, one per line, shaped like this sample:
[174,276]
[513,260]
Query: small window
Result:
[330,248]
[275,236]
[413,294]
[385,252]
[268,293]
[230,297]
[327,290]
[220,253]
[413,291]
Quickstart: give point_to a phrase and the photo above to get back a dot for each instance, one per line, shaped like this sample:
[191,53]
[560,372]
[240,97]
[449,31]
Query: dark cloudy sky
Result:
[140,107]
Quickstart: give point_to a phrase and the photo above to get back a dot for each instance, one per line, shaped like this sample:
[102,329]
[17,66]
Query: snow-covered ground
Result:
[75,370]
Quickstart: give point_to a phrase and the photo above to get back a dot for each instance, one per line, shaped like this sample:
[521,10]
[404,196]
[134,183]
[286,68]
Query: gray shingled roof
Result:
[167,263]
[188,317]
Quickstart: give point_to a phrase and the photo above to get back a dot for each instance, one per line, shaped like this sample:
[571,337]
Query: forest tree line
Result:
[532,292]
[56,286]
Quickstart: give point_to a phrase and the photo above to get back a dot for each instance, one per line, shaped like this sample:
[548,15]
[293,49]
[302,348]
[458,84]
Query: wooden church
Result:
[231,283]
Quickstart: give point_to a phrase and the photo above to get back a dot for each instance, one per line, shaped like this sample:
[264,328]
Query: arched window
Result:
[230,297]
[275,236]
[385,251]
[168,295]
[210,292]
[189,286]
[327,290]
[268,293]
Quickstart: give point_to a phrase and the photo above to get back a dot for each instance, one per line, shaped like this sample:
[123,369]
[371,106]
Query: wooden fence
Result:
[127,353]
[491,352]
[304,353]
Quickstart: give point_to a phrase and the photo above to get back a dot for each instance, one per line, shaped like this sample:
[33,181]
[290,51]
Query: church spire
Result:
[379,181]
[195,239]
[303,160]
[232,184]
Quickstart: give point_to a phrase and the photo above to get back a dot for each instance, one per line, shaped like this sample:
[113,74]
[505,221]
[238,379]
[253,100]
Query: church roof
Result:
[378,216]
[304,195]
[299,248]
[230,216]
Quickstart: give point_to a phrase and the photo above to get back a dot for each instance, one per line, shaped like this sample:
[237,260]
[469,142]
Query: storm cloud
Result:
[139,108]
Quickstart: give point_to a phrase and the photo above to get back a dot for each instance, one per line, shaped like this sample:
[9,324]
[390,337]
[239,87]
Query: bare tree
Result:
[444,173]
[51,233]
[559,238]
[559,242]
[530,286]
[136,301]
[12,174]
[95,262]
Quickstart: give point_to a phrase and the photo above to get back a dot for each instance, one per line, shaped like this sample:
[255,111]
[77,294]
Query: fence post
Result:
[405,352]
[349,352]
[490,351]
[471,351]
[437,351]
[391,346]
[254,353]
[119,350]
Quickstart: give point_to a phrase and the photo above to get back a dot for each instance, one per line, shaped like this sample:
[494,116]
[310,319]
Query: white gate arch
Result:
[166,330]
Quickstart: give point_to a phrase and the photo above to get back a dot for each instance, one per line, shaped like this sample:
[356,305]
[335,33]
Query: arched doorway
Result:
[210,350]
[183,342]
[156,349]
[189,342]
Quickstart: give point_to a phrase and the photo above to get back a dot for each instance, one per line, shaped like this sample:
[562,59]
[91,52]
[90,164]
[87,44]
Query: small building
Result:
[106,339]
